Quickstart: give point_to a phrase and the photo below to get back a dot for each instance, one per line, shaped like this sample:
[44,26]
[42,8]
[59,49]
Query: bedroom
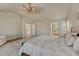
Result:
[49,21]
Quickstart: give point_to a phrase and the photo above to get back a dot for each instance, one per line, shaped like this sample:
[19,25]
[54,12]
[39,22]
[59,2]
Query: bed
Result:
[46,46]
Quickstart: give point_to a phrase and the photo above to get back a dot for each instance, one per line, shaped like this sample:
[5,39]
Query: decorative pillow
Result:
[74,34]
[68,35]
[70,41]
[76,44]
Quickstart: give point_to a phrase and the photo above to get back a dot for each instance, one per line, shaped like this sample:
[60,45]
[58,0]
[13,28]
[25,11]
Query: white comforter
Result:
[46,46]
[76,44]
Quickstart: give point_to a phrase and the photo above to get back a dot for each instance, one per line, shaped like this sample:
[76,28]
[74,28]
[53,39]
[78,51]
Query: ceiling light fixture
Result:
[29,8]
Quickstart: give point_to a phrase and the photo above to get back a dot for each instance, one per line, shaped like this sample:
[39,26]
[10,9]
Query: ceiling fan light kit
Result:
[29,8]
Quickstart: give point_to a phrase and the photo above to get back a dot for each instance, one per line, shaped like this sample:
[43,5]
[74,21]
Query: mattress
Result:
[46,46]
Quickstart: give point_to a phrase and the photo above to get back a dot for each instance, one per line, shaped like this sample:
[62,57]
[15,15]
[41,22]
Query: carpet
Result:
[11,48]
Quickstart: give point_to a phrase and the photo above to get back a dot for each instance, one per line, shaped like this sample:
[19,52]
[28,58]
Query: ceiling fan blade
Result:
[29,8]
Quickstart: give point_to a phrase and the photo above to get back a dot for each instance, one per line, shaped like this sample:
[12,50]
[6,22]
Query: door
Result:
[30,30]
[55,28]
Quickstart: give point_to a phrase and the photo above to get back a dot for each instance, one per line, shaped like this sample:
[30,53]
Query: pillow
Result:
[77,34]
[68,35]
[74,34]
[69,42]
[76,44]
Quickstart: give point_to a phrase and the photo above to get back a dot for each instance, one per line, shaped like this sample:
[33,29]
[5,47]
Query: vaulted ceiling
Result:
[55,10]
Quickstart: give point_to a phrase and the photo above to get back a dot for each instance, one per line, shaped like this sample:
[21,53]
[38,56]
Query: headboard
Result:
[75,29]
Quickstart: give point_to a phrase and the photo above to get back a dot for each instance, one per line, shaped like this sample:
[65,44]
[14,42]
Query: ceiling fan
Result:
[29,8]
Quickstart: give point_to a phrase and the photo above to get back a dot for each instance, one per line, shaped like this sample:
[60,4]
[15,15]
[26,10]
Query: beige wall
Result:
[10,23]
[43,27]
[43,23]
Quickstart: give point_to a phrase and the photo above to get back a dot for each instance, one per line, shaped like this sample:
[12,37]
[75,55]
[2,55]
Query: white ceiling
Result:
[49,9]
[14,7]
[10,7]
